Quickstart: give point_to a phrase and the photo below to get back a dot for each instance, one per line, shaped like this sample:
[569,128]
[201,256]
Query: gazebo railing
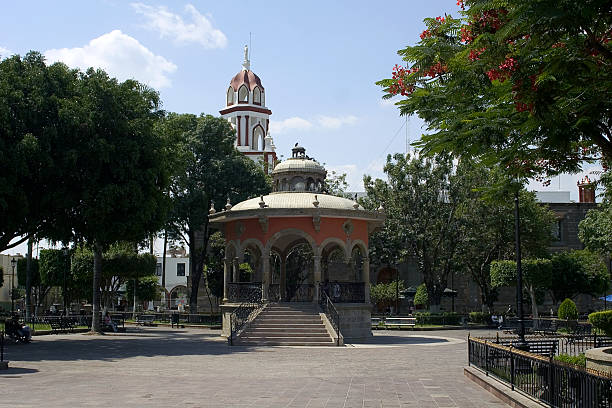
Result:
[300,293]
[244,314]
[243,291]
[345,292]
[327,307]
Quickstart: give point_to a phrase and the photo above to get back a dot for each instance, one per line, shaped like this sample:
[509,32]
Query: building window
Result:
[158,269]
[243,94]
[556,230]
[180,269]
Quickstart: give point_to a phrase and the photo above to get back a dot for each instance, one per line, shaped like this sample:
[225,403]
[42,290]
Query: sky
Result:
[318,62]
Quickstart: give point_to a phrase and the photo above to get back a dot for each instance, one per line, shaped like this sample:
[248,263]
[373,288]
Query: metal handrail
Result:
[243,314]
[327,307]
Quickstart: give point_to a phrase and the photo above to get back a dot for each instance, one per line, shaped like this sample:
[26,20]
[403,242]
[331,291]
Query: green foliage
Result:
[147,288]
[447,318]
[336,184]
[602,321]
[246,272]
[537,273]
[53,265]
[568,310]
[384,294]
[420,297]
[20,273]
[578,272]
[525,84]
[594,229]
[480,317]
[579,360]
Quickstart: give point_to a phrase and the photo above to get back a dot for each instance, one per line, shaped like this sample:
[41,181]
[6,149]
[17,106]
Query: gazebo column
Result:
[265,281]
[227,266]
[366,279]
[317,277]
[236,270]
[283,278]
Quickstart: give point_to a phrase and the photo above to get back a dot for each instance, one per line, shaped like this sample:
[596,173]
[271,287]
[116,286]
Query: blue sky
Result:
[318,61]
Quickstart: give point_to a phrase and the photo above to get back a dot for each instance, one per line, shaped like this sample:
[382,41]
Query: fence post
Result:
[550,380]
[469,350]
[486,358]
[511,368]
[231,341]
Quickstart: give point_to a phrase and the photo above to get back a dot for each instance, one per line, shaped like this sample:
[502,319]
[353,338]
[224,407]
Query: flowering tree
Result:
[522,83]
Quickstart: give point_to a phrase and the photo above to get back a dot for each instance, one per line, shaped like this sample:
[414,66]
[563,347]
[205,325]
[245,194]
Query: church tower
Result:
[246,110]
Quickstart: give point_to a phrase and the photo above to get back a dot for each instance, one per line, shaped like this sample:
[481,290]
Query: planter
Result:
[599,359]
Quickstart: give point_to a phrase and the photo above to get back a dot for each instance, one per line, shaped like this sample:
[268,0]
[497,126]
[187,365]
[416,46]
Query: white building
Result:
[177,272]
[9,278]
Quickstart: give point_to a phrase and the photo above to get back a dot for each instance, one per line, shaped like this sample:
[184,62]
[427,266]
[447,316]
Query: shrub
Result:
[579,360]
[568,310]
[602,321]
[480,317]
[420,297]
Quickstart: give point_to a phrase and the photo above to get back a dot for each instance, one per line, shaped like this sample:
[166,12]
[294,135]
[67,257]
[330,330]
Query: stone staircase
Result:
[287,324]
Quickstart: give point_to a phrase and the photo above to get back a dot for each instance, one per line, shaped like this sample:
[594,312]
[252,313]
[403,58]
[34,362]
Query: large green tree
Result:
[595,229]
[35,147]
[212,171]
[421,199]
[523,83]
[122,172]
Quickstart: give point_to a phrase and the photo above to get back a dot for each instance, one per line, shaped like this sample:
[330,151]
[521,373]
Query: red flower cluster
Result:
[467,35]
[487,21]
[475,54]
[460,3]
[522,107]
[558,45]
[504,71]
[440,19]
[436,69]
[425,34]
[399,86]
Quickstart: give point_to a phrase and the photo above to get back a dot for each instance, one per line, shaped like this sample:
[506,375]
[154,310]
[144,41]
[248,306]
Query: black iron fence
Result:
[242,291]
[569,344]
[542,378]
[345,292]
[327,307]
[303,292]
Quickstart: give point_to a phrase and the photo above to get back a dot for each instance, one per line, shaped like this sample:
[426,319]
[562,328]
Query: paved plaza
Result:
[195,368]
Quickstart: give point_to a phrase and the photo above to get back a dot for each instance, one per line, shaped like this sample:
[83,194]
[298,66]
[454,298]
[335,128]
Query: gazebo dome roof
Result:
[294,165]
[293,200]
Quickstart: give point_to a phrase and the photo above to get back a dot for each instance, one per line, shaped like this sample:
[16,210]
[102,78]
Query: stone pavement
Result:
[195,368]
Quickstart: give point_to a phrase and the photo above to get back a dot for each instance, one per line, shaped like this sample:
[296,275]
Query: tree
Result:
[35,152]
[336,184]
[123,172]
[214,171]
[1,276]
[594,229]
[121,263]
[383,294]
[537,274]
[525,84]
[568,310]
[420,297]
[577,272]
[147,288]
[420,199]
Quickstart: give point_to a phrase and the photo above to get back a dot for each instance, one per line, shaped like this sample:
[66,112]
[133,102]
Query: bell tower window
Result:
[257,96]
[230,96]
[243,95]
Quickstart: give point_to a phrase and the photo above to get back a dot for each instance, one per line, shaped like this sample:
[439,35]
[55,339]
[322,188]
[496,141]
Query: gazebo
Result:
[296,242]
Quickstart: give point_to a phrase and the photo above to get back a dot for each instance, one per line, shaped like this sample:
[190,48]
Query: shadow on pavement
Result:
[116,346]
[13,372]
[398,340]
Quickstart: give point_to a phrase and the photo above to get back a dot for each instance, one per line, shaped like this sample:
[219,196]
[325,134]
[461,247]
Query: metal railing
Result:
[327,307]
[541,378]
[243,314]
[345,292]
[242,291]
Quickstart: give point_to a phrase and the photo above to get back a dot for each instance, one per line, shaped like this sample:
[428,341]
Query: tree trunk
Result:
[28,282]
[534,305]
[163,280]
[97,275]
[197,249]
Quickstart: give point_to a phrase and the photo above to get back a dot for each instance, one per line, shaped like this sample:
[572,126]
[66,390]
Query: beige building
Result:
[9,278]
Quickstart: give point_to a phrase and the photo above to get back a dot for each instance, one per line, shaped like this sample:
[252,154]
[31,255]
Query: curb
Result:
[390,327]
[500,390]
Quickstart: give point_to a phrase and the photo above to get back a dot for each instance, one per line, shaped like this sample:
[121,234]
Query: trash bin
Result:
[175,319]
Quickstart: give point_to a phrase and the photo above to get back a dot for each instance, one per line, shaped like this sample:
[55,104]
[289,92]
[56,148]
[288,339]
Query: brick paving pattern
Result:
[195,368]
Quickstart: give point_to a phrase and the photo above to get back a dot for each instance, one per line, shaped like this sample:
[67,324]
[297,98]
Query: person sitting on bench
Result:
[109,322]
[18,330]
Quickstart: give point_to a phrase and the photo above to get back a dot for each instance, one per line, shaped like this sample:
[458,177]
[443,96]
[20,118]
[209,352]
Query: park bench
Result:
[60,325]
[512,326]
[400,322]
[546,327]
[145,320]
[546,348]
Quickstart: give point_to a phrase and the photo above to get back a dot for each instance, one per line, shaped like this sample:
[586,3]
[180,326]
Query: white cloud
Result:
[120,56]
[294,123]
[199,30]
[335,122]
[5,52]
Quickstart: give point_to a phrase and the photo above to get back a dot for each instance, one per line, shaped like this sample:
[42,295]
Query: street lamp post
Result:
[13,264]
[66,259]
[521,344]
